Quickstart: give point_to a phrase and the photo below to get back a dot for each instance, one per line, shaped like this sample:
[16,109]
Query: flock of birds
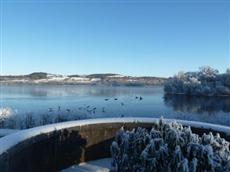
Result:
[90,109]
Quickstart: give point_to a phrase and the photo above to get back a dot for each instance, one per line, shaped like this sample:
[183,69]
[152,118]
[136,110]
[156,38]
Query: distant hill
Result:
[38,75]
[101,75]
[92,79]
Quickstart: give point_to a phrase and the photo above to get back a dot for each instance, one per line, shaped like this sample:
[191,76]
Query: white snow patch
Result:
[79,79]
[116,76]
[57,78]
[95,79]
[4,132]
[54,75]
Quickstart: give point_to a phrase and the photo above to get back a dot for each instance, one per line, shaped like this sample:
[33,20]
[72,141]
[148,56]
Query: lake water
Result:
[41,104]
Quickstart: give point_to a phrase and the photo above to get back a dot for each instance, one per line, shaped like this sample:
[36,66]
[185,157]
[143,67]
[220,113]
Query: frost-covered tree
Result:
[5,113]
[207,73]
[169,147]
[206,81]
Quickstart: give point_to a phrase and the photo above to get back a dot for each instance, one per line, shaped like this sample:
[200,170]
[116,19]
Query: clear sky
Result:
[131,37]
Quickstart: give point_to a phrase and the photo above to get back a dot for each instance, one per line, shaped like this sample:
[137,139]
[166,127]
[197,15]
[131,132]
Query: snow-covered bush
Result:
[11,119]
[5,113]
[207,81]
[169,147]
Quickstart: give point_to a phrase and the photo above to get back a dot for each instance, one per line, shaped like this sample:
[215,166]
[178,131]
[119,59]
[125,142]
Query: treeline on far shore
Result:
[206,81]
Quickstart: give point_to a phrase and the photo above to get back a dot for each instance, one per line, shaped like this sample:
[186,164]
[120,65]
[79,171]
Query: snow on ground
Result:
[5,132]
[116,76]
[95,79]
[49,75]
[72,79]
[11,140]
[80,79]
[52,78]
[101,165]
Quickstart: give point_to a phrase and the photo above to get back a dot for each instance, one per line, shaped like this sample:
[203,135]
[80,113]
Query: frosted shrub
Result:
[206,81]
[13,120]
[169,147]
[5,113]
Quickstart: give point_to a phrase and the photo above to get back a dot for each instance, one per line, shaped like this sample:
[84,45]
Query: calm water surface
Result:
[91,102]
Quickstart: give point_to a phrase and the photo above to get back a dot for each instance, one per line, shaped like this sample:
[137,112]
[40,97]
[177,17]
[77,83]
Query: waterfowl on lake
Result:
[50,109]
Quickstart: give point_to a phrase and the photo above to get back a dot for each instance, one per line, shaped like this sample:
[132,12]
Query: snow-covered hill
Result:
[93,79]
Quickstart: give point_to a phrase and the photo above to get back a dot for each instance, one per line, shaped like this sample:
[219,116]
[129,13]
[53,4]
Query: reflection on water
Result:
[72,90]
[198,104]
[34,105]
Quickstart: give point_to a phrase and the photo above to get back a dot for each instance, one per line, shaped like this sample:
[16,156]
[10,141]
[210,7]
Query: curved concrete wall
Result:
[57,146]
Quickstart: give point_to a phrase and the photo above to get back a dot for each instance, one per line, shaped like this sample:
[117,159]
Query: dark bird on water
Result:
[50,109]
[141,98]
[115,99]
[106,99]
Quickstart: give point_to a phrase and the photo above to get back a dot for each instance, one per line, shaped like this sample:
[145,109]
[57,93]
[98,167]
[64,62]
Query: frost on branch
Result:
[206,81]
[169,147]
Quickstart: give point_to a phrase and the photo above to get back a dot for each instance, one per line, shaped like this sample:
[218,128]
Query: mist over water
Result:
[43,104]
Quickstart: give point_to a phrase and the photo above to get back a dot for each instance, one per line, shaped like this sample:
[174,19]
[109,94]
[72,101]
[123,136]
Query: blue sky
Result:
[157,38]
